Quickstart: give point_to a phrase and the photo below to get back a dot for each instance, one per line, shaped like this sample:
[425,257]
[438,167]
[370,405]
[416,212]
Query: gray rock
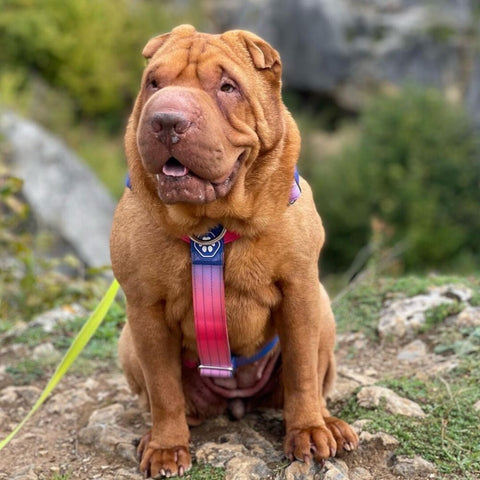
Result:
[360,473]
[336,470]
[63,193]
[45,351]
[413,352]
[403,317]
[371,397]
[12,395]
[414,467]
[218,454]
[347,48]
[467,318]
[302,471]
[24,473]
[107,416]
[68,401]
[63,314]
[124,474]
[110,439]
[379,440]
[246,467]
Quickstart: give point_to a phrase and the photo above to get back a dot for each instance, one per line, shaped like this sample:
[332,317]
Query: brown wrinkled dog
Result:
[210,142]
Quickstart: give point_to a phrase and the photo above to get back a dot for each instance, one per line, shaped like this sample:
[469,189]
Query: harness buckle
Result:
[215,371]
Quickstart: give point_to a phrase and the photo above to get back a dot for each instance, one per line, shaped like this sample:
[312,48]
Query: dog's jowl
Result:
[215,243]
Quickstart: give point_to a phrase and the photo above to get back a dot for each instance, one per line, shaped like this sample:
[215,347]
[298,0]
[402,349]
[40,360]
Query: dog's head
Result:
[208,110]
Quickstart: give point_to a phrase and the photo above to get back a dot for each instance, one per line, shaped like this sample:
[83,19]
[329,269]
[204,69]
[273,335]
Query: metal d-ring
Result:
[211,241]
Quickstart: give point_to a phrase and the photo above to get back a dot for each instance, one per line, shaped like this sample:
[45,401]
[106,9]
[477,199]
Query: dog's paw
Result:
[156,462]
[315,442]
[345,437]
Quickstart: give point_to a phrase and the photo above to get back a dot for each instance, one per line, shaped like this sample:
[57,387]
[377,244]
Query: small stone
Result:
[218,454]
[302,471]
[66,313]
[370,397]
[476,407]
[107,416]
[413,467]
[124,474]
[336,470]
[360,425]
[413,352]
[469,317]
[405,316]
[68,401]
[24,473]
[246,467]
[381,440]
[360,473]
[11,395]
[456,292]
[44,351]
[110,439]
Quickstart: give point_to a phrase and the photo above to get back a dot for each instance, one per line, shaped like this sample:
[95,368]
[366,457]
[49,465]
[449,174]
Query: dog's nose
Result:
[169,126]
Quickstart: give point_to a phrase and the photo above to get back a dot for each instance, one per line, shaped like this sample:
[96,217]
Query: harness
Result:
[210,318]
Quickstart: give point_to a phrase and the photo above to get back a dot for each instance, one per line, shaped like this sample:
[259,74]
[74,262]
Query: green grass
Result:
[358,307]
[449,436]
[205,472]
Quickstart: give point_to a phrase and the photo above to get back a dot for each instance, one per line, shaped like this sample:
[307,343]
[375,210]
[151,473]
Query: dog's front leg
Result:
[307,334]
[163,451]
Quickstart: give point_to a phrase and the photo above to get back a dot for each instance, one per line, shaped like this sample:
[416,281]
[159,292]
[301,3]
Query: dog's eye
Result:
[152,84]
[227,88]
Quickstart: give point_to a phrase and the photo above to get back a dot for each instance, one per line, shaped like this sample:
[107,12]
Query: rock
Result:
[68,401]
[360,473]
[111,439]
[380,440]
[468,318]
[413,467]
[24,473]
[124,474]
[455,292]
[413,352]
[45,351]
[403,317]
[351,48]
[218,454]
[63,193]
[476,407]
[336,470]
[370,397]
[12,395]
[107,415]
[302,471]
[246,467]
[64,314]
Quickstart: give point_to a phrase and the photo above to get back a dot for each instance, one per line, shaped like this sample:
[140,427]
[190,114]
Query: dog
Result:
[212,153]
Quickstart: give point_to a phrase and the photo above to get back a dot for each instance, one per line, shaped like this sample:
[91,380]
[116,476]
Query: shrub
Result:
[411,179]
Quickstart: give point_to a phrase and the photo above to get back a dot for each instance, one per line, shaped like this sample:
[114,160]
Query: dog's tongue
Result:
[173,168]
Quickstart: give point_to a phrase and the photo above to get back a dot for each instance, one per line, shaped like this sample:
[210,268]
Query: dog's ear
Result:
[154,44]
[264,56]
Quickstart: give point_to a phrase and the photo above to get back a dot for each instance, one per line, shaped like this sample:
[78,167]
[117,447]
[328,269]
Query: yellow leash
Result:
[77,346]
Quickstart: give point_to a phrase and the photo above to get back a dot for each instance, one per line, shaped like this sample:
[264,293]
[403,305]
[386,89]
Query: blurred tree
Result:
[415,171]
[89,49]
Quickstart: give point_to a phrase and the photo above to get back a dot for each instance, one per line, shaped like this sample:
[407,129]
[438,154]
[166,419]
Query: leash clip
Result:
[211,237]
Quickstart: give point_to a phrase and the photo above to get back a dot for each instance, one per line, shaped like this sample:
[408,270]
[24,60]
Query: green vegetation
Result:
[205,472]
[404,195]
[449,436]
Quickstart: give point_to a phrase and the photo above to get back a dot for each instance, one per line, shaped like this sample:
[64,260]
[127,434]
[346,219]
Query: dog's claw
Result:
[181,471]
[333,451]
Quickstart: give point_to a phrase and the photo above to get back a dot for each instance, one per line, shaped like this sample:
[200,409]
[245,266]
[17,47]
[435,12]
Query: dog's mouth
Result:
[178,183]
